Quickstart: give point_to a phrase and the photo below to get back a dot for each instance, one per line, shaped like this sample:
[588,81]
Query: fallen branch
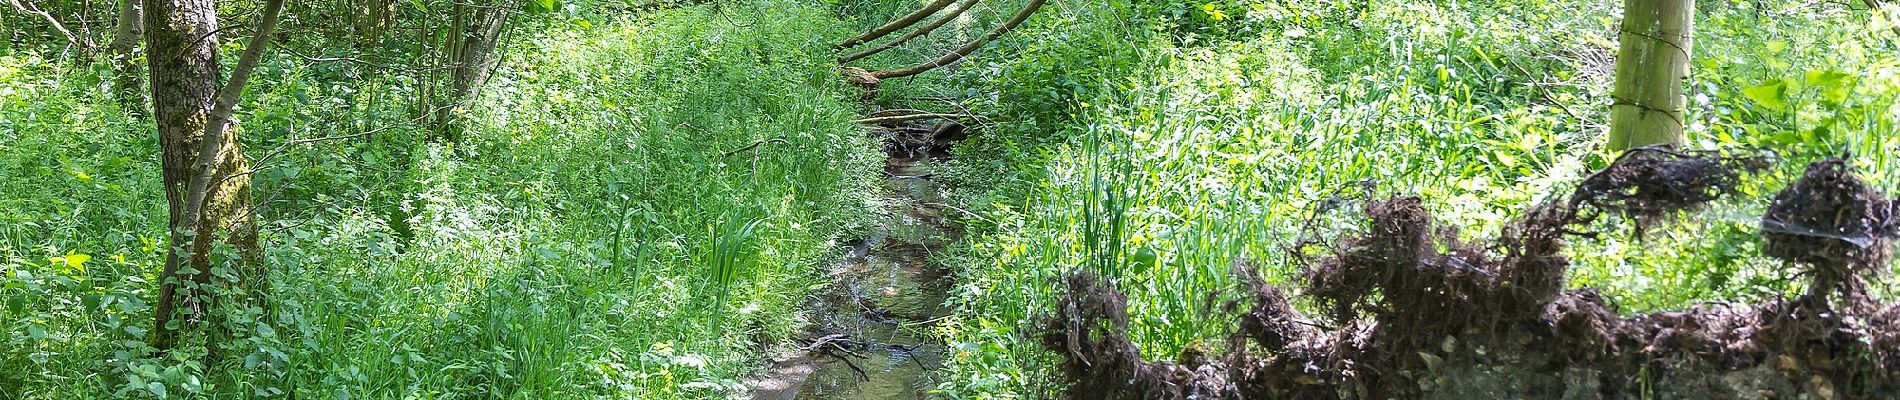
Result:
[900,23]
[967,48]
[894,111]
[961,8]
[834,344]
[908,117]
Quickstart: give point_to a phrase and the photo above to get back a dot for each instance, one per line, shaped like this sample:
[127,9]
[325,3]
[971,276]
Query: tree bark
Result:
[889,27]
[475,60]
[209,197]
[123,52]
[960,8]
[968,48]
[1651,67]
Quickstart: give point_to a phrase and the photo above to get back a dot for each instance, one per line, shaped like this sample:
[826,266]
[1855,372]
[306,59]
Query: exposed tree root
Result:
[1413,312]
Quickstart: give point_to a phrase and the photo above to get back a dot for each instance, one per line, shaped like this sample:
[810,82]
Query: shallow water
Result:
[884,298]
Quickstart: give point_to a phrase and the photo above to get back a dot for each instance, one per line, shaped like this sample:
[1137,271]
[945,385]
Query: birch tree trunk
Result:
[123,52]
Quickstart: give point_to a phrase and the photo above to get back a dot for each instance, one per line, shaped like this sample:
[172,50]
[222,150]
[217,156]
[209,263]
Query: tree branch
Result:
[901,23]
[220,118]
[962,7]
[908,117]
[967,48]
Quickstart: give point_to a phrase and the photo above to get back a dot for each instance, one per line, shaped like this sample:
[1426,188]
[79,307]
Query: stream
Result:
[870,336]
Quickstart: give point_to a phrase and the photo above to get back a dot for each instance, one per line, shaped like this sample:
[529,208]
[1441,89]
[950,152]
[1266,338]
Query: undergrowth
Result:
[590,238]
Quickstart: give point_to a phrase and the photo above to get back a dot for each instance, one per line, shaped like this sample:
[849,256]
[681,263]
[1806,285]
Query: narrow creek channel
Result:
[870,335]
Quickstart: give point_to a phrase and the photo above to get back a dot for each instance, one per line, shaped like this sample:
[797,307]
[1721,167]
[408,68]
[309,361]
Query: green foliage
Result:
[640,197]
[562,250]
[1238,136]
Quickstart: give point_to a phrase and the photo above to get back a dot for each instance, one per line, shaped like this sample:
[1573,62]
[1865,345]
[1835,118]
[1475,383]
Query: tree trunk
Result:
[124,54]
[205,185]
[1651,67]
[370,18]
[475,59]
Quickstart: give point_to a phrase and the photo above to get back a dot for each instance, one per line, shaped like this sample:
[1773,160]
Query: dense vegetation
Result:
[590,237]
[642,197]
[1159,143]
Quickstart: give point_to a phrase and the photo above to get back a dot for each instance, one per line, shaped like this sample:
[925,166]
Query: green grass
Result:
[591,238]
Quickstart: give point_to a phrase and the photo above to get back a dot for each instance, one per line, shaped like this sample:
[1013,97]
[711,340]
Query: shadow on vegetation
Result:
[1409,310]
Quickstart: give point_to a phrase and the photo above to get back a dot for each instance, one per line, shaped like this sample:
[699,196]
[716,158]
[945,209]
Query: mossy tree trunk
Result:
[205,172]
[1651,67]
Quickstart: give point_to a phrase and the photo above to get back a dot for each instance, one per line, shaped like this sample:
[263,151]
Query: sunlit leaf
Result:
[1771,95]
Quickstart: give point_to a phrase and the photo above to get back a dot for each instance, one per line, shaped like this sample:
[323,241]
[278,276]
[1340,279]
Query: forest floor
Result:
[870,333]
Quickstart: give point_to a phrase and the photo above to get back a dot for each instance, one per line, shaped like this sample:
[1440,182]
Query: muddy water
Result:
[871,326]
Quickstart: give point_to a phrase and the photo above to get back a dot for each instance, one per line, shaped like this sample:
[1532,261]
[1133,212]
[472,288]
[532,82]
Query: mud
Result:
[1408,310]
[870,335]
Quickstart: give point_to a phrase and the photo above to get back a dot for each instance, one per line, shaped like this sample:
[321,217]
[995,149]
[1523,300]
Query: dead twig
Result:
[965,212]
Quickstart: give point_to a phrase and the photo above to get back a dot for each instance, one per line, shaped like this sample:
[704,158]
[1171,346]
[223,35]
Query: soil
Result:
[870,333]
[1411,311]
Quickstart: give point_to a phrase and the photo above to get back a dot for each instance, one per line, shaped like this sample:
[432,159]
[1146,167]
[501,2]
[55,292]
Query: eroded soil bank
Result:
[1408,310]
[870,330]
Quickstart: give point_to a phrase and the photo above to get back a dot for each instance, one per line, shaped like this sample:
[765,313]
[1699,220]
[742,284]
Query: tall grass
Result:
[585,241]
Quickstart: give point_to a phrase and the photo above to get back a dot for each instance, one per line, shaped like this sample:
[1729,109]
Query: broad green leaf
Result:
[1772,95]
[1836,85]
[78,261]
[1776,46]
